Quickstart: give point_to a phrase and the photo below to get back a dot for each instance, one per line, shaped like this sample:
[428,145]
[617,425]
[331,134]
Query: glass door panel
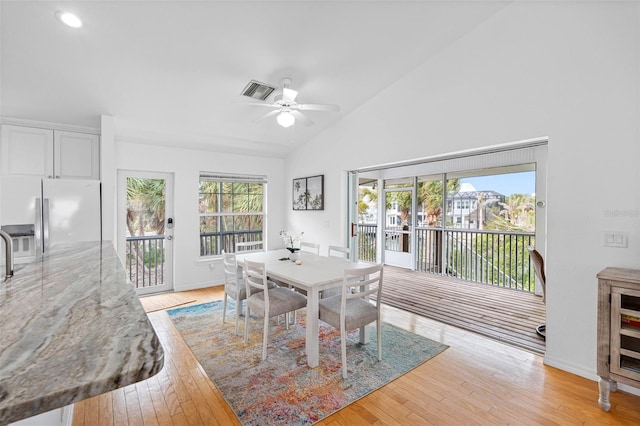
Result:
[398,222]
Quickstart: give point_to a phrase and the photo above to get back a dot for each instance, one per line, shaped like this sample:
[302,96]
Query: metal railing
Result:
[367,242]
[212,243]
[498,258]
[145,260]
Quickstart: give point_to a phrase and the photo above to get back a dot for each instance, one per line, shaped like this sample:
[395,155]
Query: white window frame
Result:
[222,178]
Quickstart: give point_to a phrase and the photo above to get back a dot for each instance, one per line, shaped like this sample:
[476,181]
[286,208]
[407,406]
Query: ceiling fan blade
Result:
[267,115]
[317,107]
[263,104]
[289,95]
[302,118]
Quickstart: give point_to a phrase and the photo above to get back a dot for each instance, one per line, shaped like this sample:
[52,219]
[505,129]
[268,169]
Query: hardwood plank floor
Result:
[477,380]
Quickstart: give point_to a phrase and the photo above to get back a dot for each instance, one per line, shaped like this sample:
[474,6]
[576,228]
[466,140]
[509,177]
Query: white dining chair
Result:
[353,308]
[310,247]
[267,302]
[249,246]
[338,251]
[234,286]
[335,251]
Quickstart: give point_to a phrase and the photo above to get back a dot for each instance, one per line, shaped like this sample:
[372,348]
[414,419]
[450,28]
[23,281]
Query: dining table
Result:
[313,274]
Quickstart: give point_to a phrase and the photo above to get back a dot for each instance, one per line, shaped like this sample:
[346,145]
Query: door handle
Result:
[169,237]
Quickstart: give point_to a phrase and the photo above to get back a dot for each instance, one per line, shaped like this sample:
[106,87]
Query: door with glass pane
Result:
[145,229]
[398,222]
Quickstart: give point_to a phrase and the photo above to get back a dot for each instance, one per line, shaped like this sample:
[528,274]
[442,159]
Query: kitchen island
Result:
[71,327]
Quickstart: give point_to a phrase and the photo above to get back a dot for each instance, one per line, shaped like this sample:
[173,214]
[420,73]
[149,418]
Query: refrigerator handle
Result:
[45,224]
[37,231]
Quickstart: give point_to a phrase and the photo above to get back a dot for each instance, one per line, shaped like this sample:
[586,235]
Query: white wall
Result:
[566,70]
[186,164]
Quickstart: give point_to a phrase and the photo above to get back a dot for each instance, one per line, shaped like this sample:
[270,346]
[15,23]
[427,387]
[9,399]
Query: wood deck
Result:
[509,316]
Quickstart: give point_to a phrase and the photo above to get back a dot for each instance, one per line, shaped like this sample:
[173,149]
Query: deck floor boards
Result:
[507,315]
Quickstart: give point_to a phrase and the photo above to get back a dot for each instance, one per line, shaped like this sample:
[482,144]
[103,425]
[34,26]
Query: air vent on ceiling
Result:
[257,90]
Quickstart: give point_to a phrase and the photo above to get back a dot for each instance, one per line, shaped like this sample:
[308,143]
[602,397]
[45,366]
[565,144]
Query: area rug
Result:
[283,389]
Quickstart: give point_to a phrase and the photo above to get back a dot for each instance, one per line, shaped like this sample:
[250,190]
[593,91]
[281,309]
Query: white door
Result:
[145,229]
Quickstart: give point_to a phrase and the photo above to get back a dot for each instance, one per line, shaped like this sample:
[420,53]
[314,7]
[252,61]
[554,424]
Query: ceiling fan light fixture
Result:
[285,119]
[69,19]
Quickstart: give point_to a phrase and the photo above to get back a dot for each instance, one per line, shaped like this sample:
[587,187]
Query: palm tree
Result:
[517,214]
[430,196]
[145,205]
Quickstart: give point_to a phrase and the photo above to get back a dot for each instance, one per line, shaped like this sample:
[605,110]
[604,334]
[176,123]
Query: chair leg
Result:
[265,336]
[343,345]
[379,332]
[246,324]
[238,306]
[224,308]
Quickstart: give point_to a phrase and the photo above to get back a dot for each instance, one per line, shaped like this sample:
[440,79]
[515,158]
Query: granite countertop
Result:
[71,327]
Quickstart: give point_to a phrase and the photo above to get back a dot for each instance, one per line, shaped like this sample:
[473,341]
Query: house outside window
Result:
[231,210]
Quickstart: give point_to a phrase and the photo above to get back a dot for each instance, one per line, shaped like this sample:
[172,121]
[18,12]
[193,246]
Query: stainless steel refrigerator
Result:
[57,211]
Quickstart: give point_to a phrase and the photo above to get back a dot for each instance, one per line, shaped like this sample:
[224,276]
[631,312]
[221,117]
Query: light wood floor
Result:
[476,381]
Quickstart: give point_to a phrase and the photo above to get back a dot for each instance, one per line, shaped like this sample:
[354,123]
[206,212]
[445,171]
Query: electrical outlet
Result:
[615,239]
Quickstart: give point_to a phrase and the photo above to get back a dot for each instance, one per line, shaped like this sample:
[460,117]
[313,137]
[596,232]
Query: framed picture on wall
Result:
[308,193]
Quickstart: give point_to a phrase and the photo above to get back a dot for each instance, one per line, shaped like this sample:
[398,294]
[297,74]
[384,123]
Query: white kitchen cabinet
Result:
[53,154]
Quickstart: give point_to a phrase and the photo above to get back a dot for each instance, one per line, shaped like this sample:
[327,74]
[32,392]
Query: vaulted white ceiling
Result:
[171,72]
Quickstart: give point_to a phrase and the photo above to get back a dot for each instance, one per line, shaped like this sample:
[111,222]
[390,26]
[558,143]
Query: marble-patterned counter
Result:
[71,327]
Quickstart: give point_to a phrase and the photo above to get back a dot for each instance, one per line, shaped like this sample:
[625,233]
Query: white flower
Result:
[289,239]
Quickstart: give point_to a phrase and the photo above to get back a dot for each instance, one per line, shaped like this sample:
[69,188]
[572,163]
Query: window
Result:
[231,210]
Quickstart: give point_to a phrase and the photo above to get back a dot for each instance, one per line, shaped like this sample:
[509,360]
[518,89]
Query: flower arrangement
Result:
[290,240]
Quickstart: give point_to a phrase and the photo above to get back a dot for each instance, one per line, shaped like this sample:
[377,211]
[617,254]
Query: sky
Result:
[506,184]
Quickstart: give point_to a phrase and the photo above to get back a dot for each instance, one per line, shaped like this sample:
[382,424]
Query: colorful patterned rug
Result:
[283,389]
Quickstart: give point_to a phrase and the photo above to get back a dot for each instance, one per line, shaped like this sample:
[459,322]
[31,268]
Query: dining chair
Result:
[338,251]
[234,287]
[538,267]
[335,251]
[267,302]
[353,308]
[249,246]
[310,247]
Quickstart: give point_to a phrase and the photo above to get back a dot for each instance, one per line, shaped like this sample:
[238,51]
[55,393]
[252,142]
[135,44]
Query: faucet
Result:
[8,253]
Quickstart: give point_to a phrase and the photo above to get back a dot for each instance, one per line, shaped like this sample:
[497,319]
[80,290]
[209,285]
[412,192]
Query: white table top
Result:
[315,272]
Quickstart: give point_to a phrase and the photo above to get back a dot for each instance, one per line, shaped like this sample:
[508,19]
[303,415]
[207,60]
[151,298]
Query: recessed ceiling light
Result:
[69,19]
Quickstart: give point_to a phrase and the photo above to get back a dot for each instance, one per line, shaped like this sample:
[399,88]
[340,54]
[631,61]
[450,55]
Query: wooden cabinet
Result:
[618,330]
[53,154]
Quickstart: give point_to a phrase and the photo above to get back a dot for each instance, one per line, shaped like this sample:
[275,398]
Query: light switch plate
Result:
[615,239]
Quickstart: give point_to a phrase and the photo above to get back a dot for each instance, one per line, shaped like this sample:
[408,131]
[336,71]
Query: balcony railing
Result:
[212,243]
[498,258]
[145,260]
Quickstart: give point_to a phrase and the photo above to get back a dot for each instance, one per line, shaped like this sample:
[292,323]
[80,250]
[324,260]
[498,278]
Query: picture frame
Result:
[308,193]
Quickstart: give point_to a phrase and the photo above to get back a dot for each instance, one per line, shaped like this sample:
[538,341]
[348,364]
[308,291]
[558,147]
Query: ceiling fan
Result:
[287,110]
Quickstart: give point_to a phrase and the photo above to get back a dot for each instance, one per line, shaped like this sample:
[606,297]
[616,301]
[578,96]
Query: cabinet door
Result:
[27,151]
[76,155]
[625,332]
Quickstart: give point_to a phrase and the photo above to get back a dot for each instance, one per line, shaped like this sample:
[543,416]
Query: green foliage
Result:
[145,205]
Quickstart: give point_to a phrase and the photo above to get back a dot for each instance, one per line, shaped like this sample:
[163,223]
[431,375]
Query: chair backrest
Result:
[311,247]
[538,267]
[362,282]
[249,246]
[230,268]
[255,276]
[338,251]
